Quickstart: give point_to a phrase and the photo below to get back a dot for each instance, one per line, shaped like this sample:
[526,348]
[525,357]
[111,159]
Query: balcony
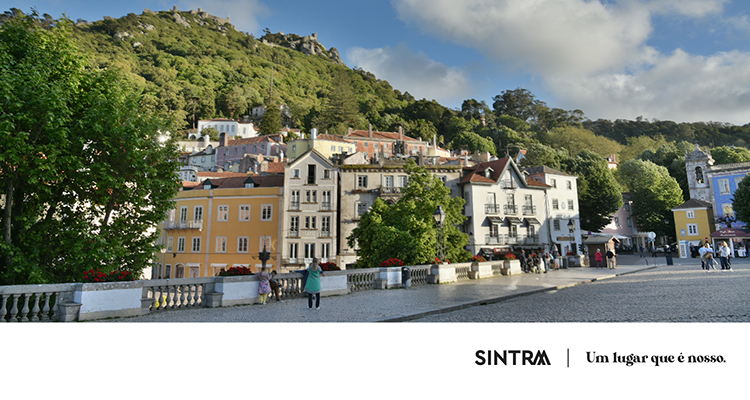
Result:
[325,206]
[508,184]
[294,205]
[492,208]
[294,233]
[510,209]
[172,225]
[532,239]
[325,234]
[528,210]
[494,239]
[389,191]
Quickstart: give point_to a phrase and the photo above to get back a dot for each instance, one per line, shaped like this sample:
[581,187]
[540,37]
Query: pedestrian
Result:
[708,256]
[598,258]
[724,256]
[643,255]
[524,262]
[611,264]
[264,288]
[545,260]
[275,286]
[312,286]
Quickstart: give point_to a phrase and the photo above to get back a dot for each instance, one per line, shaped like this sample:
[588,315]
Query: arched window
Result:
[698,175]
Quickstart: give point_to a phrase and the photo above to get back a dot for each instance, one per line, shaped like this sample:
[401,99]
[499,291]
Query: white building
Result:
[310,211]
[228,126]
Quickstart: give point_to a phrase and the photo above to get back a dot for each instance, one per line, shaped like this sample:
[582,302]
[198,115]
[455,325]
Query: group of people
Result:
[539,262]
[611,259]
[311,284]
[707,257]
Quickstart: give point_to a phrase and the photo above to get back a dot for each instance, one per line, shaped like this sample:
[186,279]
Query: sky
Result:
[684,61]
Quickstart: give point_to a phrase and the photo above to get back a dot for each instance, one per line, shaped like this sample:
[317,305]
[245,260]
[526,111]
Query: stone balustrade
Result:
[90,301]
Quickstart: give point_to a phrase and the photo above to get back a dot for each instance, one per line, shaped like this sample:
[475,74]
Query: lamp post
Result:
[264,256]
[439,216]
[572,229]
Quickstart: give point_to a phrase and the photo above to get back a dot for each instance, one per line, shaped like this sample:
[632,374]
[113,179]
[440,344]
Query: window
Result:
[388,181]
[333,148]
[513,230]
[569,184]
[724,186]
[170,241]
[326,174]
[167,271]
[196,245]
[630,222]
[570,204]
[325,250]
[311,174]
[235,151]
[528,200]
[403,180]
[223,213]
[266,211]
[181,244]
[698,175]
[737,181]
[325,226]
[203,159]
[296,174]
[532,229]
[242,244]
[555,205]
[692,229]
[690,214]
[293,250]
[511,199]
[627,207]
[556,224]
[309,250]
[361,208]
[311,196]
[265,241]
[221,244]
[183,215]
[294,226]
[554,183]
[494,230]
[310,222]
[727,209]
[491,198]
[616,220]
[245,212]
[362,181]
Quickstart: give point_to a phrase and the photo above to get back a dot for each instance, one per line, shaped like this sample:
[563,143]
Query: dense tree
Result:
[341,107]
[728,155]
[654,193]
[576,140]
[82,169]
[406,229]
[518,103]
[538,154]
[741,201]
[271,122]
[599,194]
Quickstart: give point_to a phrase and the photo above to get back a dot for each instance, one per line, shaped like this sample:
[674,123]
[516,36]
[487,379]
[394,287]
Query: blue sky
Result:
[684,61]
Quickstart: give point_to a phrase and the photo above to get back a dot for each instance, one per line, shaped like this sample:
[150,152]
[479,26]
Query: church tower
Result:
[698,165]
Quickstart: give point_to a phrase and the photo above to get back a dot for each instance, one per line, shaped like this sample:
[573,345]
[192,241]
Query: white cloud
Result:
[243,14]
[416,73]
[594,55]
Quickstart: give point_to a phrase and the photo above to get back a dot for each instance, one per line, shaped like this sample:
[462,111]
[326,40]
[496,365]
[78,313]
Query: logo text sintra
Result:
[511,357]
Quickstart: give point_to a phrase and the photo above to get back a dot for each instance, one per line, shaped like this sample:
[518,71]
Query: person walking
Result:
[312,286]
[724,256]
[643,255]
[545,260]
[708,256]
[611,263]
[264,288]
[524,262]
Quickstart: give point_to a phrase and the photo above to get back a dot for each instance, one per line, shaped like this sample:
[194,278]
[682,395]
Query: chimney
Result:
[313,133]
[369,131]
[222,139]
[349,131]
[400,133]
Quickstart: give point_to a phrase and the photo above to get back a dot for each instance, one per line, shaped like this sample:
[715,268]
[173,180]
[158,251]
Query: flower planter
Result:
[511,267]
[108,300]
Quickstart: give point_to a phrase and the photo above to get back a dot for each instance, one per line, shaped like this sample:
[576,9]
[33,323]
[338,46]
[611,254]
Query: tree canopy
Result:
[83,171]
[406,230]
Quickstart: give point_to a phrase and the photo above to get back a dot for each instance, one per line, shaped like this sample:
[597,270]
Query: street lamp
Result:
[439,216]
[264,256]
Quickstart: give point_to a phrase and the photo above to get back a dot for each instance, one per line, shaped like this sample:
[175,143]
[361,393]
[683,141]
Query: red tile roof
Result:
[359,135]
[275,168]
[334,138]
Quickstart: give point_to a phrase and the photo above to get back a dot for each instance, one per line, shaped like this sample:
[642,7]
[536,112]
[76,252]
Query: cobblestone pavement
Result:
[678,293]
[634,291]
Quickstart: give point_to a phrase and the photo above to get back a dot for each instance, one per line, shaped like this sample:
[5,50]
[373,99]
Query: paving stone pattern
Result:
[634,291]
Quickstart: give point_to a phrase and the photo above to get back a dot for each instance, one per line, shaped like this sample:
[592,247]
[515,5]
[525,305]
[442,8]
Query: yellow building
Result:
[222,223]
[694,222]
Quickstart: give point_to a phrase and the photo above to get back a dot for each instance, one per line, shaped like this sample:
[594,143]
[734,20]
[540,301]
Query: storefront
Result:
[735,238]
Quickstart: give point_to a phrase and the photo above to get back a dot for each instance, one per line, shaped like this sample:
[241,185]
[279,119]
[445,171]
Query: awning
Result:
[730,233]
[534,221]
[514,220]
[495,220]
[487,251]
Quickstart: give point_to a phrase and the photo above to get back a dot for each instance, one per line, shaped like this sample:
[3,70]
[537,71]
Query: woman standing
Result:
[598,258]
[264,288]
[312,286]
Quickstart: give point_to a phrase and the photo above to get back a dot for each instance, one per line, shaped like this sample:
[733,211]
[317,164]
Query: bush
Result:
[329,266]
[234,271]
[510,256]
[392,262]
[96,275]
[478,258]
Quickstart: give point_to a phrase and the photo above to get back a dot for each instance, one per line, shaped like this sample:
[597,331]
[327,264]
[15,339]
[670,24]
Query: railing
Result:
[528,210]
[508,184]
[294,233]
[361,279]
[184,225]
[325,234]
[419,274]
[510,209]
[32,303]
[532,239]
[294,205]
[462,273]
[390,190]
[325,206]
[170,294]
[490,208]
[495,239]
[290,285]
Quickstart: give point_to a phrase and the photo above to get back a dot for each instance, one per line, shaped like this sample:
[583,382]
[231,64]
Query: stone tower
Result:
[698,165]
